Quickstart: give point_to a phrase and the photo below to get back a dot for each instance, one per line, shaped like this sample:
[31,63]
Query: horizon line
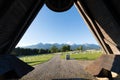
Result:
[54,43]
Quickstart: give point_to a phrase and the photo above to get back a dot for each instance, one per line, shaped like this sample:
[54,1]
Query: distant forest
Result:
[27,51]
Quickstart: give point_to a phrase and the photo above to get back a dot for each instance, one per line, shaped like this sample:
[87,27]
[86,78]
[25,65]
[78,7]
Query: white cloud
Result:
[70,43]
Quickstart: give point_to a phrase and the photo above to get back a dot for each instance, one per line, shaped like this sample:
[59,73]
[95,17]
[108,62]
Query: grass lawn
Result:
[36,59]
[83,55]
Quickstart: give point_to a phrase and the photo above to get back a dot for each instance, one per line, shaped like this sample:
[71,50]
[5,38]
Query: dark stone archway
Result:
[102,17]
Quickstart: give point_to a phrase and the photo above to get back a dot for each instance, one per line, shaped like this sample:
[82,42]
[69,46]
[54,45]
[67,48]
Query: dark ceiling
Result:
[102,17]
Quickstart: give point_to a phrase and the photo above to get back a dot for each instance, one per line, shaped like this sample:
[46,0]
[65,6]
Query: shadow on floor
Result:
[70,79]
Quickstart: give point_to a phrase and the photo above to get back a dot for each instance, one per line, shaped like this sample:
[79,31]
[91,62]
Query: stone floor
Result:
[59,69]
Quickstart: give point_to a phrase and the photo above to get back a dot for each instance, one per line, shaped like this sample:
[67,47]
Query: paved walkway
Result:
[58,69]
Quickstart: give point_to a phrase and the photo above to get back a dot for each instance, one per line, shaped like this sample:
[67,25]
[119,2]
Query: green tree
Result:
[43,51]
[80,48]
[65,48]
[53,49]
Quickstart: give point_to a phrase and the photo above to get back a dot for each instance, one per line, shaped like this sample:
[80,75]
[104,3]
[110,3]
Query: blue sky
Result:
[53,27]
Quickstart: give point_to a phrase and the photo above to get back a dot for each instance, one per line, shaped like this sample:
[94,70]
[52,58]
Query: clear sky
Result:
[53,27]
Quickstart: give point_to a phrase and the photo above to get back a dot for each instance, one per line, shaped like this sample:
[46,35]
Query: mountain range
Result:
[73,46]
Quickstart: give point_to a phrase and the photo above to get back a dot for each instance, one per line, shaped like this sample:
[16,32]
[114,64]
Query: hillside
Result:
[73,46]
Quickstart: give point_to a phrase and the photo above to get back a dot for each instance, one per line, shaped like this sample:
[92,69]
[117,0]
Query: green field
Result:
[36,59]
[86,55]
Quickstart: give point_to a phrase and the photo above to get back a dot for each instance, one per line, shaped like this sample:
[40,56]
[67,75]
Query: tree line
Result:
[27,51]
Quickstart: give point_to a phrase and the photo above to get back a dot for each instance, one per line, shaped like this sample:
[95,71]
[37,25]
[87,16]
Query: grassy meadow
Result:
[36,59]
[85,55]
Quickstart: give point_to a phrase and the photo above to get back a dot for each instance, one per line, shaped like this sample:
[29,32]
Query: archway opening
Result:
[54,33]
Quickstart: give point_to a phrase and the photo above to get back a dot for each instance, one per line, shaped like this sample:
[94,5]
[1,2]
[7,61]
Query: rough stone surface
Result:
[108,62]
[59,69]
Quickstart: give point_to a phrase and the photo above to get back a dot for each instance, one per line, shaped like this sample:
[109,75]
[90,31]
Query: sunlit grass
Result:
[36,59]
[86,55]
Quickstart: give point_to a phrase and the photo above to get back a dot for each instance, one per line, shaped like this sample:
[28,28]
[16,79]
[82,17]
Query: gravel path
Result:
[59,69]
